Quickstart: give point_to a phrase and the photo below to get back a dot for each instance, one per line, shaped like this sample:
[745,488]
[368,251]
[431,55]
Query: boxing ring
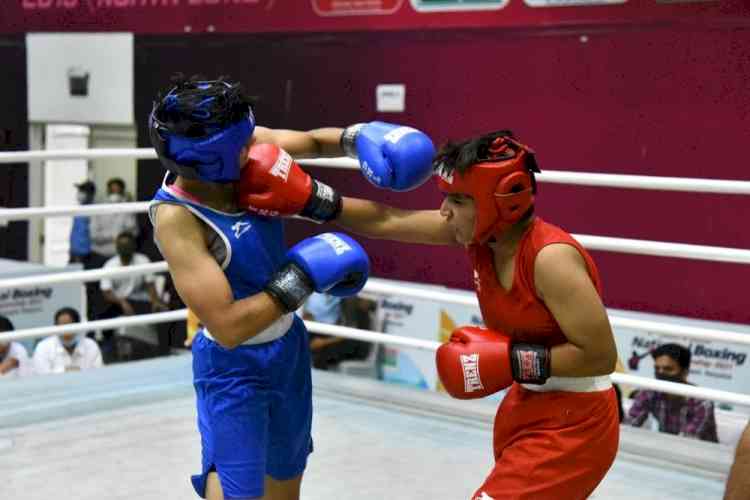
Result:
[128,430]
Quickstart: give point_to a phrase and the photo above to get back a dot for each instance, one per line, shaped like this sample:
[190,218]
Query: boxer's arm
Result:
[375,220]
[316,143]
[8,364]
[202,284]
[563,283]
[738,483]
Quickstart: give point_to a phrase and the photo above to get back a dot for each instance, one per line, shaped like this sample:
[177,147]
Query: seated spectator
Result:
[14,361]
[328,351]
[67,352]
[675,414]
[128,295]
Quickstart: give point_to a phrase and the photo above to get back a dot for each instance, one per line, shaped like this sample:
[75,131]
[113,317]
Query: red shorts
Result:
[552,445]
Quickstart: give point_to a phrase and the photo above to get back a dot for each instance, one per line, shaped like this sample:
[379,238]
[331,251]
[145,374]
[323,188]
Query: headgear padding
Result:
[199,128]
[500,180]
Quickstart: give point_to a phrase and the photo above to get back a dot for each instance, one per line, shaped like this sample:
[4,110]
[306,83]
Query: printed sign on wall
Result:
[570,3]
[355,7]
[432,5]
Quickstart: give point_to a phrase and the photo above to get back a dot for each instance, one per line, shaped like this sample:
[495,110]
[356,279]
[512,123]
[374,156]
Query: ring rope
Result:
[649,182]
[370,336]
[374,285]
[602,243]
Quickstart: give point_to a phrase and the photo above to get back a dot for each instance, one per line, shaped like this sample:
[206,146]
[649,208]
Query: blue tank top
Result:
[248,247]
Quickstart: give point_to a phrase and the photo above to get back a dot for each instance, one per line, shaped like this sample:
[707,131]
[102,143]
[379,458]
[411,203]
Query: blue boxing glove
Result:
[330,263]
[390,156]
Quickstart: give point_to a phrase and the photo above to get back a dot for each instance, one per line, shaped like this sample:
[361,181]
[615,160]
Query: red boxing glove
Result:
[273,184]
[477,362]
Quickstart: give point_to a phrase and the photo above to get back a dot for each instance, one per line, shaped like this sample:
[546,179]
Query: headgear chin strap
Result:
[200,146]
[501,183]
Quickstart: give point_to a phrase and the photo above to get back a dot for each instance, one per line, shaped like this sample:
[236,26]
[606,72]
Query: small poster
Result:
[570,3]
[450,5]
[355,7]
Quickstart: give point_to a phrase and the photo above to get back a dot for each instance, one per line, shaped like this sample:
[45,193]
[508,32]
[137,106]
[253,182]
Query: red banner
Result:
[245,16]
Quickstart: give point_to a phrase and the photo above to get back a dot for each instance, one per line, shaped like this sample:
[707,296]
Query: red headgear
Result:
[501,182]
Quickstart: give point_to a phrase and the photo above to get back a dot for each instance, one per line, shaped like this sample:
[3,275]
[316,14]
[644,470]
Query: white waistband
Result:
[572,384]
[276,330]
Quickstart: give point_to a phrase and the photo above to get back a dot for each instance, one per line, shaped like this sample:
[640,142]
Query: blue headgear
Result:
[197,144]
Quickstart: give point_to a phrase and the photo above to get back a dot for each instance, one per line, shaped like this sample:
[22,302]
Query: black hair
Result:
[116,180]
[87,187]
[675,351]
[460,156]
[70,312]
[6,325]
[126,234]
[197,107]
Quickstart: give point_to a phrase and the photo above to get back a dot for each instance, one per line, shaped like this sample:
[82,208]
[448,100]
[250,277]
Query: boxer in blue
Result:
[251,362]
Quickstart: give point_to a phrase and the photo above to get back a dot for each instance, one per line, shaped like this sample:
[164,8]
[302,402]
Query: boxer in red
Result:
[547,338]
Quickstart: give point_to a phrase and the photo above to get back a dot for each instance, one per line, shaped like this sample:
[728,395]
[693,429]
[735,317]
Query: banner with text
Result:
[257,16]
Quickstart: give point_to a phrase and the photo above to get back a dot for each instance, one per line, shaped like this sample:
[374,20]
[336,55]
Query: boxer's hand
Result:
[390,156]
[271,183]
[332,263]
[477,362]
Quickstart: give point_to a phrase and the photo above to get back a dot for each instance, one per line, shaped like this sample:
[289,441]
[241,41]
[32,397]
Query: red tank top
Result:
[519,312]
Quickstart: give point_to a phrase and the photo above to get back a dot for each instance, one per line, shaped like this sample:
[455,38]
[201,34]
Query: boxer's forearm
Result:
[7,365]
[375,220]
[738,483]
[316,143]
[569,360]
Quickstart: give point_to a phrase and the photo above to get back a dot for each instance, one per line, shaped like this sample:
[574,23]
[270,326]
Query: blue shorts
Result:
[254,411]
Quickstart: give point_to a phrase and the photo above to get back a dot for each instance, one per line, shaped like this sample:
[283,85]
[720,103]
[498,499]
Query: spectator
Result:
[128,295]
[14,361]
[104,229]
[67,352]
[327,351]
[116,192]
[675,414]
[81,247]
[738,482]
[80,233]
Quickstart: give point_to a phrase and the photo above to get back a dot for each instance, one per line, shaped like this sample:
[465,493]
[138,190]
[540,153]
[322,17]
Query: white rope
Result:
[15,214]
[648,182]
[664,249]
[602,243]
[691,332]
[90,275]
[368,336]
[101,324]
[377,286]
[77,154]
[690,391]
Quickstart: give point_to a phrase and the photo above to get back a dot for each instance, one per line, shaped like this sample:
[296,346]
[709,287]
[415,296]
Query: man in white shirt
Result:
[128,295]
[106,228]
[68,352]
[14,361]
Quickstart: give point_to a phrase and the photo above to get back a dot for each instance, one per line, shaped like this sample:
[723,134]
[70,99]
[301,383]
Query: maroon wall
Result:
[666,99]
